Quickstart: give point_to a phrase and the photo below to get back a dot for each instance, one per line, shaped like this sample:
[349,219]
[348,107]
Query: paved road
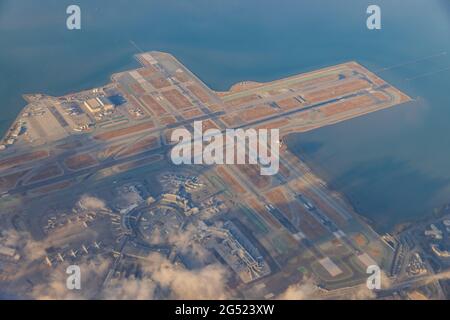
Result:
[102,165]
[415,282]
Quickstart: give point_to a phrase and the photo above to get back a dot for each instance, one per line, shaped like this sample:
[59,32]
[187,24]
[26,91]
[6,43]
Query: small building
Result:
[9,252]
[440,253]
[107,105]
[6,251]
[192,211]
[434,232]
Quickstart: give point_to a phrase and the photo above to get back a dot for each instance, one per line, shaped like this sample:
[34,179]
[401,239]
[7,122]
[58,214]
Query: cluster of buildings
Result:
[212,206]
[173,181]
[99,105]
[80,119]
[88,106]
[13,134]
[416,265]
[179,202]
[439,234]
[238,251]
[167,215]
[178,192]
[230,243]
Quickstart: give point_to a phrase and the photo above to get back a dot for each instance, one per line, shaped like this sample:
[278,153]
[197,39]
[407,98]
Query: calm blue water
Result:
[394,165]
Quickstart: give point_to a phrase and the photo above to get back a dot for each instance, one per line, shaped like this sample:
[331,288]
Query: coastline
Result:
[318,170]
[322,174]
